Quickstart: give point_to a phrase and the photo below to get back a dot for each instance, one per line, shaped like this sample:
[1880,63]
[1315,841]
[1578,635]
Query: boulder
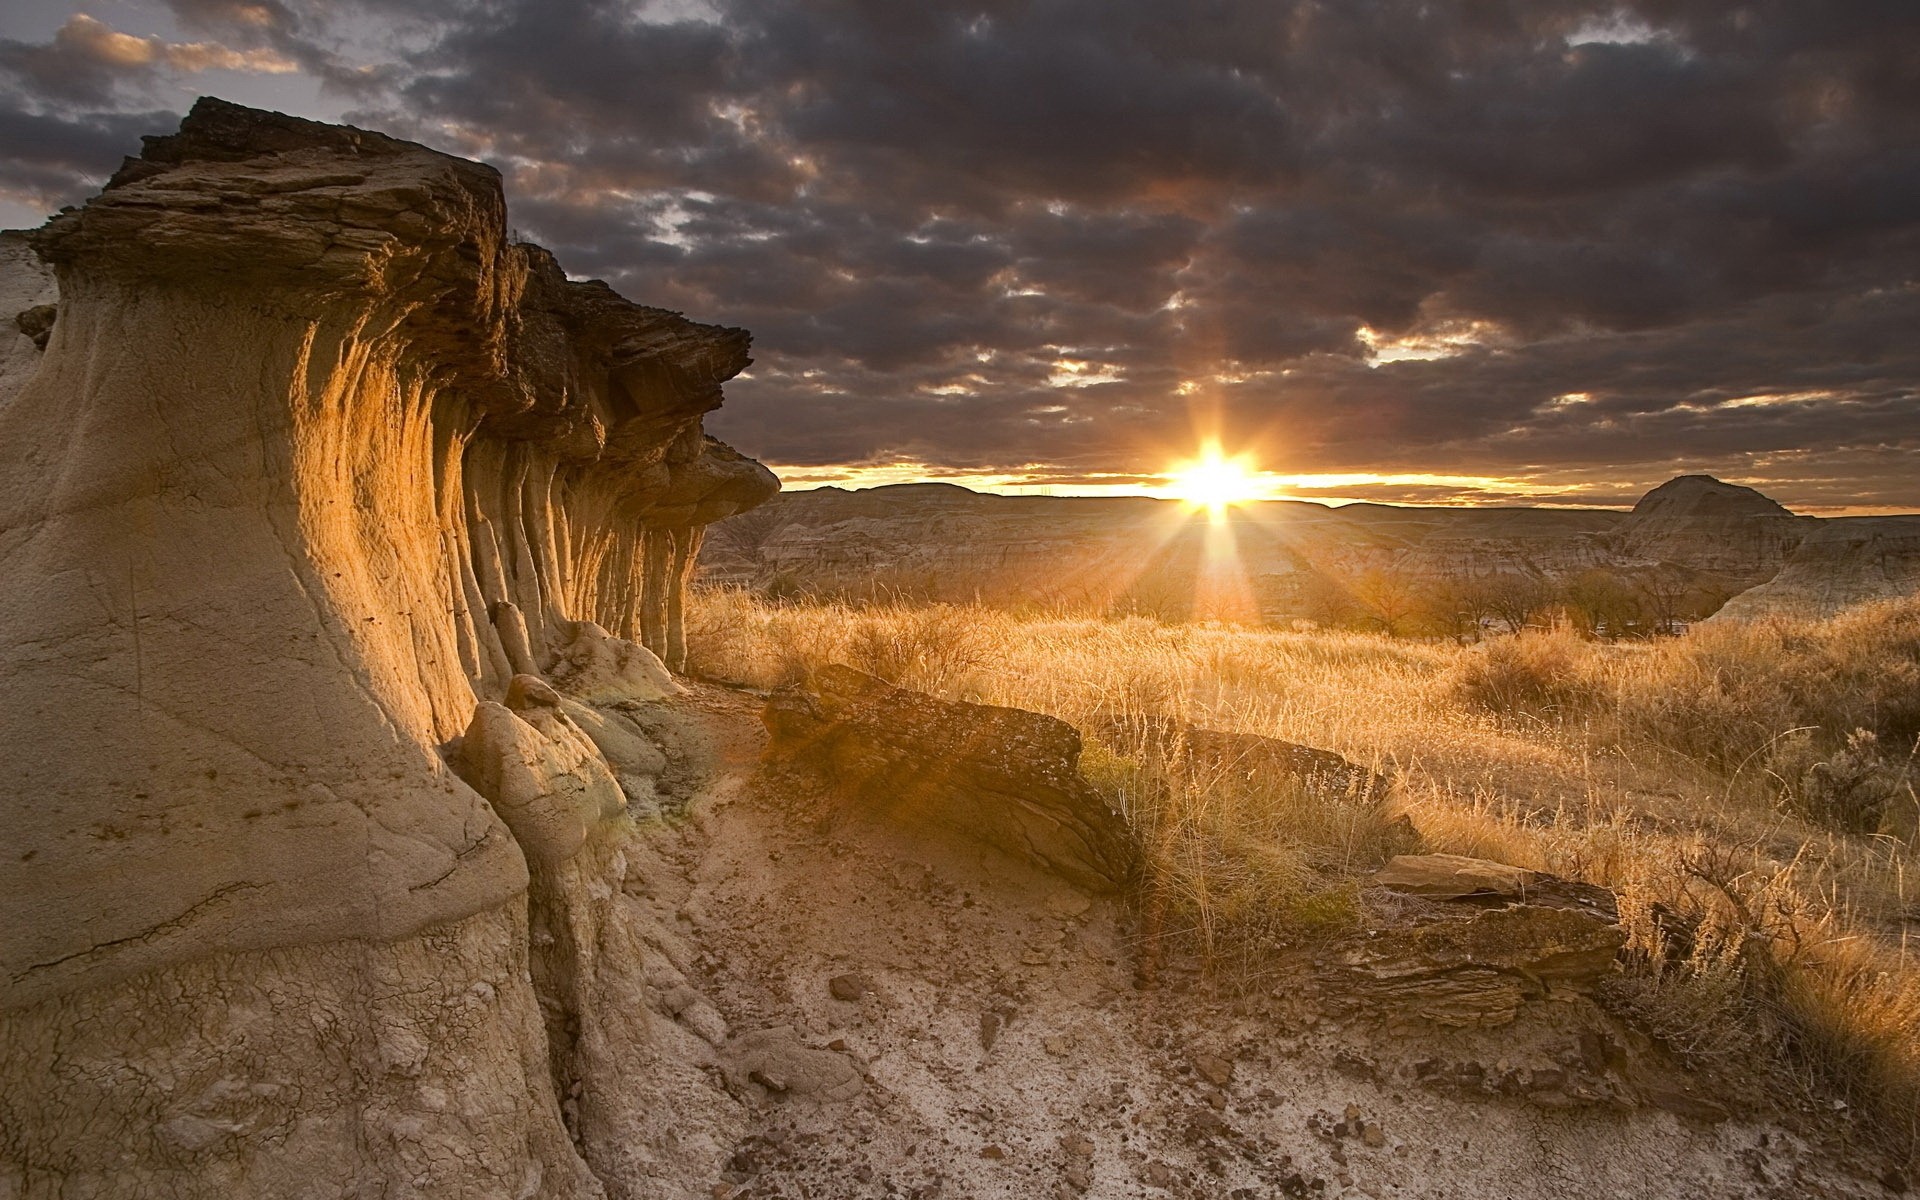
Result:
[1261,762]
[543,776]
[1473,940]
[1000,776]
[777,1061]
[596,667]
[1451,876]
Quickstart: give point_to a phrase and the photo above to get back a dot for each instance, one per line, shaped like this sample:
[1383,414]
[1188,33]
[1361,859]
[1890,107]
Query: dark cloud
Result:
[1564,245]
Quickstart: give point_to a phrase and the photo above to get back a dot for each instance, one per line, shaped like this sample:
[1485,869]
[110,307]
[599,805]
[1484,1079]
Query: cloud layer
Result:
[1568,248]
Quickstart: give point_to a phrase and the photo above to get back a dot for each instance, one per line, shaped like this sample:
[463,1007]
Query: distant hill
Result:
[1693,542]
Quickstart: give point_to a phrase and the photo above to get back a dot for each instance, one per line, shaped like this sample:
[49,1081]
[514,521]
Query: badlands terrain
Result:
[1710,540]
[372,835]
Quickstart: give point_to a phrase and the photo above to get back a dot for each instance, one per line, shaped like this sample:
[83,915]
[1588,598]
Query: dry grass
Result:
[1755,780]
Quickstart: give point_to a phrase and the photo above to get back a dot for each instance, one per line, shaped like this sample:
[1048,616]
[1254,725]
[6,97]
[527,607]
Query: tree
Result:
[1454,606]
[1665,590]
[1602,605]
[1386,599]
[1514,598]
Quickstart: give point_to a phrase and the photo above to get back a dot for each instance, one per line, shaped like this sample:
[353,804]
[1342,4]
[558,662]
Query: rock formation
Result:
[1474,940]
[1841,563]
[1698,522]
[1002,776]
[311,886]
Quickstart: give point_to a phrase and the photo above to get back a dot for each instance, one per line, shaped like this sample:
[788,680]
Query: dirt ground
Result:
[999,1046]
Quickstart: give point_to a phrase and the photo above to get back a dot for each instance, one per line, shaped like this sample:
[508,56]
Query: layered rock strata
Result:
[1843,562]
[311,480]
[1473,940]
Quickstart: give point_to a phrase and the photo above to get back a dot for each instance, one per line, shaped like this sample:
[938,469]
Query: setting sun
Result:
[1214,481]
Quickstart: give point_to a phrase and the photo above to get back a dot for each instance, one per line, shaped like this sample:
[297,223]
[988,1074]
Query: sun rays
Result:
[1215,482]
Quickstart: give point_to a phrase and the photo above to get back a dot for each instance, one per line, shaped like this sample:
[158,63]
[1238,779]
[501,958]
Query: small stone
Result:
[1214,1069]
[1067,904]
[839,1044]
[531,691]
[1079,1175]
[850,987]
[992,1151]
[1078,1145]
[1056,1045]
[1372,1135]
[1159,1174]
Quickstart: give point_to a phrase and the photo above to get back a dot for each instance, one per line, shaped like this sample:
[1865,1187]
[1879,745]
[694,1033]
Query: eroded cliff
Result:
[313,463]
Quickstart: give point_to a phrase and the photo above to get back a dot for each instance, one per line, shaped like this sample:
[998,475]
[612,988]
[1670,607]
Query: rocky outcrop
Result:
[314,479]
[1004,777]
[1253,762]
[1474,940]
[1698,522]
[1841,562]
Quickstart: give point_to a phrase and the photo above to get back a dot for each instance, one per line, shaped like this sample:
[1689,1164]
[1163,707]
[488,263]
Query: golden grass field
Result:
[1757,781]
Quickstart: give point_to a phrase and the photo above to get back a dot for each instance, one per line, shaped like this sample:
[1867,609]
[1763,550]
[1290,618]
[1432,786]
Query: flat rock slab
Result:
[1000,776]
[1448,876]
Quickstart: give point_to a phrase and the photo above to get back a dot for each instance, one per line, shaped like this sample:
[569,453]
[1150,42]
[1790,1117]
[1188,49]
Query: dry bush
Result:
[1238,871]
[934,648]
[1542,674]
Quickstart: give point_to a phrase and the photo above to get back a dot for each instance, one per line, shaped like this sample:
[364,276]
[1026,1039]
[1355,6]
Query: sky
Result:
[1528,251]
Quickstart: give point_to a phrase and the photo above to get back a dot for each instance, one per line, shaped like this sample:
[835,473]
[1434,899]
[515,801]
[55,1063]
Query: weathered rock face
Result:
[1478,939]
[305,411]
[1699,522]
[1002,776]
[312,464]
[1842,562]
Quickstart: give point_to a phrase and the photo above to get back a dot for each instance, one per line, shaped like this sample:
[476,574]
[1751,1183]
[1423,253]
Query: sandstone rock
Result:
[1473,959]
[1001,776]
[541,774]
[1450,876]
[1702,523]
[1258,762]
[851,988]
[777,1061]
[27,294]
[596,667]
[1842,562]
[312,464]
[1214,1069]
[1684,1101]
[37,324]
[319,530]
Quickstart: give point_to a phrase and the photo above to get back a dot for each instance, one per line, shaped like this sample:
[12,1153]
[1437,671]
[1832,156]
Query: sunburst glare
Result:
[1214,481]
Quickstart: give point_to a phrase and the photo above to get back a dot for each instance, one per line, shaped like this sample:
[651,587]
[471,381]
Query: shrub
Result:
[1541,674]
